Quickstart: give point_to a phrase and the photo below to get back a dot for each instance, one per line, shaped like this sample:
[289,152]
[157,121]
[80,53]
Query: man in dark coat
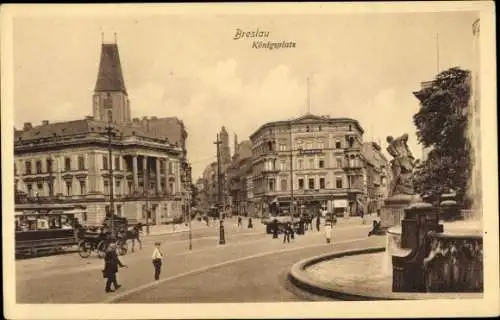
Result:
[111,263]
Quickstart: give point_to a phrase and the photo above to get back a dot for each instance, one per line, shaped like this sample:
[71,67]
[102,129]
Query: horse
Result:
[133,233]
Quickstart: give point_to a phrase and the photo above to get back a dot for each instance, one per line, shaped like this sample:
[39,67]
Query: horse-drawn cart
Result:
[97,239]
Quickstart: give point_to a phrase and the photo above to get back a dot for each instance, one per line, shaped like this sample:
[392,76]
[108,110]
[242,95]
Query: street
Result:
[250,267]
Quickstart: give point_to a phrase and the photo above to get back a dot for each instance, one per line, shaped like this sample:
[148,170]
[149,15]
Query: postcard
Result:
[249,160]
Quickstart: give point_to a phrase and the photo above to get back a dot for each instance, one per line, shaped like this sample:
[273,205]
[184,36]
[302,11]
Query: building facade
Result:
[69,162]
[308,163]
[378,176]
[237,173]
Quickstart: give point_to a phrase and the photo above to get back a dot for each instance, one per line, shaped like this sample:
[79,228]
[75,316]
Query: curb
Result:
[312,289]
[298,278]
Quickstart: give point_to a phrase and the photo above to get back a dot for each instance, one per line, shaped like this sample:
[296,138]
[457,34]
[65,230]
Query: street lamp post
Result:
[222,238]
[291,172]
[110,133]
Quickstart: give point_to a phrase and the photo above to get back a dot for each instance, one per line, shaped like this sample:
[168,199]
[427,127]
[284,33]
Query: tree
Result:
[442,123]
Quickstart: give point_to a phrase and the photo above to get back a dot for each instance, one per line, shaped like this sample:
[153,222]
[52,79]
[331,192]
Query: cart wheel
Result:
[84,249]
[101,248]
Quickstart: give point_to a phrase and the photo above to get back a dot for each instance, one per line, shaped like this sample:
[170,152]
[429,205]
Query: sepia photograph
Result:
[249,160]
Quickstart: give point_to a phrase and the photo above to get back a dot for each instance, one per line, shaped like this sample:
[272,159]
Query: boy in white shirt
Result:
[328,232]
[157,258]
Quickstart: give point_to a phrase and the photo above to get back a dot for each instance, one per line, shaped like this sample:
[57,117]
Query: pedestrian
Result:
[362,215]
[318,222]
[239,222]
[250,225]
[275,229]
[111,263]
[286,232]
[157,259]
[328,232]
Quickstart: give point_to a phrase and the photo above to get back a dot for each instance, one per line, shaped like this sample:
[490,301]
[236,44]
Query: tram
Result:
[47,230]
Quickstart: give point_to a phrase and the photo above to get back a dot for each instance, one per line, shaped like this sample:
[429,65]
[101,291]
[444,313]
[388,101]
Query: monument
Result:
[401,192]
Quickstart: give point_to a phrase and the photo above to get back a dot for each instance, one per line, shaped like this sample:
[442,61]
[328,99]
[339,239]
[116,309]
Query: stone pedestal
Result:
[392,212]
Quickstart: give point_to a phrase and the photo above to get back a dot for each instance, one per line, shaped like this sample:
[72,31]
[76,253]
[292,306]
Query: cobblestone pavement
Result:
[246,255]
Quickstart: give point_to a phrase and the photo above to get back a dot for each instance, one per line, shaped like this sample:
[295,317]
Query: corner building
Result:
[320,157]
[67,164]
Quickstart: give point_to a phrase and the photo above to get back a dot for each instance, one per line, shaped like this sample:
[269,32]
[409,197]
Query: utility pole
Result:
[109,130]
[189,206]
[222,239]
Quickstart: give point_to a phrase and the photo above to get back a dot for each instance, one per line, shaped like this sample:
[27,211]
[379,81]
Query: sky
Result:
[363,66]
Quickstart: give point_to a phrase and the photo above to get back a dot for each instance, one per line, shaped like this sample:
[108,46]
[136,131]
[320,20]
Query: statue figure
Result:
[402,165]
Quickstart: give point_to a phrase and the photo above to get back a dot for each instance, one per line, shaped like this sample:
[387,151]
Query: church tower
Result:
[110,101]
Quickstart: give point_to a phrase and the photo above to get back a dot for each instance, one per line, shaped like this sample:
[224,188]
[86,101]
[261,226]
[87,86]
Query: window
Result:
[81,163]
[118,186]
[300,163]
[321,145]
[338,183]
[283,147]
[319,128]
[68,188]
[130,189]
[339,163]
[39,187]
[106,187]
[29,186]
[351,142]
[283,184]
[170,168]
[38,166]
[171,187]
[307,129]
[105,163]
[27,167]
[162,166]
[311,163]
[301,184]
[321,163]
[271,185]
[322,183]
[67,164]
[83,188]
[309,146]
[311,183]
[49,165]
[282,165]
[15,169]
[117,163]
[110,116]
[338,145]
[119,210]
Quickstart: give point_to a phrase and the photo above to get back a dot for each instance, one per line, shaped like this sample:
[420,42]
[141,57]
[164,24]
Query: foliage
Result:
[442,123]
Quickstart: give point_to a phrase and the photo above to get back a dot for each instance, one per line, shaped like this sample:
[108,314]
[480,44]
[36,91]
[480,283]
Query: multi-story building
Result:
[237,173]
[70,163]
[311,161]
[378,176]
[210,176]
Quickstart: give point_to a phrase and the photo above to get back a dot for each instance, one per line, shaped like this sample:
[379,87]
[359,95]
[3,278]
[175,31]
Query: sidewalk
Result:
[173,228]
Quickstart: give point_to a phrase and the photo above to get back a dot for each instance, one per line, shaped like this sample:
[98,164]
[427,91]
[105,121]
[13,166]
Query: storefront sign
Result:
[340,203]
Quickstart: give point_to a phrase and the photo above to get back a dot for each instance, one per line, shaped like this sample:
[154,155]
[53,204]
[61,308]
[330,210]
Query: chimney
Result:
[45,122]
[27,126]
